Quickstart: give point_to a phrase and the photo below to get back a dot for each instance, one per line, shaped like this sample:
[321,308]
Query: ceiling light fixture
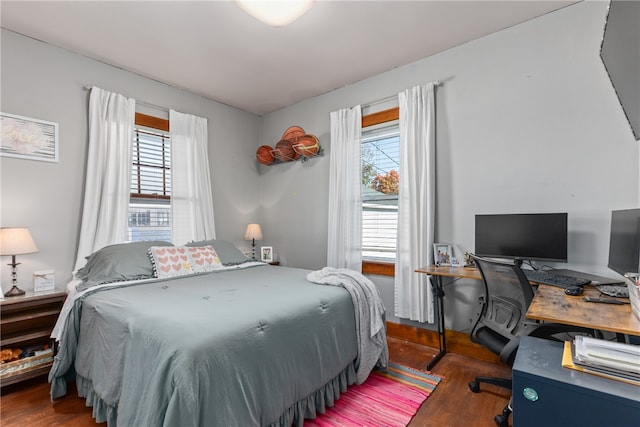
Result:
[276,13]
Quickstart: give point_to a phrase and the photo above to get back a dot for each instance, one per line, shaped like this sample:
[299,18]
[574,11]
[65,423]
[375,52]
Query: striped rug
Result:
[388,398]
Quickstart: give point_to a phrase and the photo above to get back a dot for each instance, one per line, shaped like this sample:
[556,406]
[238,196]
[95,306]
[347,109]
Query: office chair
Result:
[502,320]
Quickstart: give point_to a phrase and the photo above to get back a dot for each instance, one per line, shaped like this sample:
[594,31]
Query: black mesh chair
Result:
[502,320]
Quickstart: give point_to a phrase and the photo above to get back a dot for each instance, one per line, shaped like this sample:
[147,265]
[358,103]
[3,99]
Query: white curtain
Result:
[416,203]
[108,177]
[191,198]
[345,190]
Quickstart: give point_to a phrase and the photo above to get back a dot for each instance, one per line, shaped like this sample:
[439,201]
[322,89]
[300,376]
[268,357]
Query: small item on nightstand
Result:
[43,280]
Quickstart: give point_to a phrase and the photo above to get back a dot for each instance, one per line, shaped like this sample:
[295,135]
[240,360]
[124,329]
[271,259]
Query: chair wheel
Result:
[501,421]
[474,386]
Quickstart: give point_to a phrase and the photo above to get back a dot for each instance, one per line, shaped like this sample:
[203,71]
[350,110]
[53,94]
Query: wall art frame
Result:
[28,138]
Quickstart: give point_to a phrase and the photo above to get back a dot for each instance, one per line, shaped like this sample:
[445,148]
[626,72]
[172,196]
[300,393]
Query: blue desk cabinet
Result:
[566,397]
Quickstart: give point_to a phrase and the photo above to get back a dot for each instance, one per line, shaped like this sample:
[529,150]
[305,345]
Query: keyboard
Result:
[548,278]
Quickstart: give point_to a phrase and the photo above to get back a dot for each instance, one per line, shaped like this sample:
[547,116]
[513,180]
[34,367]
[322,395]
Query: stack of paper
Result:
[613,360]
[633,284]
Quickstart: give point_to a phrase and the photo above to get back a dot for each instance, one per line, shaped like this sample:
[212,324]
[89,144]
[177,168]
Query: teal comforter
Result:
[249,347]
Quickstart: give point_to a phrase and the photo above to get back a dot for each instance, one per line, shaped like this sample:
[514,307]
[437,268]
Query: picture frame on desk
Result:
[442,254]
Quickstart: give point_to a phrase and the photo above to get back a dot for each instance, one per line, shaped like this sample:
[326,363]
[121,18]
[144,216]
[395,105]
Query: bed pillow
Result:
[119,262]
[182,260]
[169,262]
[226,251]
[204,258]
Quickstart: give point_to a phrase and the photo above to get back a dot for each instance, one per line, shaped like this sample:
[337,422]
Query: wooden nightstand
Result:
[27,321]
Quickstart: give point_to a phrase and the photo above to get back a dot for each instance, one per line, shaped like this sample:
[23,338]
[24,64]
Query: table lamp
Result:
[253,233]
[15,241]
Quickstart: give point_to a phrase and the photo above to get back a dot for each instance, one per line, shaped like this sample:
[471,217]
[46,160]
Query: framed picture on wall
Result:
[442,253]
[267,254]
[27,138]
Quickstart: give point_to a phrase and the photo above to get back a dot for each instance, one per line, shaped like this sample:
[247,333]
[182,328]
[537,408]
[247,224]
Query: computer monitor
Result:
[536,236]
[624,241]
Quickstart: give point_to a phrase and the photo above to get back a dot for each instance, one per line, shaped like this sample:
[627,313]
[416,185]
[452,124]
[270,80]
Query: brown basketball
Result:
[292,133]
[264,155]
[307,145]
[284,151]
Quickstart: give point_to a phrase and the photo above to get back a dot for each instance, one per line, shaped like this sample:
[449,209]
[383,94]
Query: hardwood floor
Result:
[451,404]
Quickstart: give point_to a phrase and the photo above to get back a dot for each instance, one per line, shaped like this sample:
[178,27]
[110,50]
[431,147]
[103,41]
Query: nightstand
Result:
[26,321]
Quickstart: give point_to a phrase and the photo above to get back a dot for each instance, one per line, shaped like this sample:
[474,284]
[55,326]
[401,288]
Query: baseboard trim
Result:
[457,342]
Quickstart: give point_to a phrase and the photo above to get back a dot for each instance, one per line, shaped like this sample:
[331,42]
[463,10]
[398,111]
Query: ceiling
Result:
[215,49]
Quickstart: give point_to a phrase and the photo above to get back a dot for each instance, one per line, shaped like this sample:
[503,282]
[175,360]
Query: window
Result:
[150,198]
[380,179]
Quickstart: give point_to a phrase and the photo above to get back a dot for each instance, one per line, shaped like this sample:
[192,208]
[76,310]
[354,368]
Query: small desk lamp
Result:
[253,233]
[15,241]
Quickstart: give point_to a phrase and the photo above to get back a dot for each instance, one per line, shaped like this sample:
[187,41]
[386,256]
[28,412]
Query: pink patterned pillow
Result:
[203,258]
[170,261]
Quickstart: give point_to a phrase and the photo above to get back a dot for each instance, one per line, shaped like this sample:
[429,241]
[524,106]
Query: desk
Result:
[550,304]
[438,273]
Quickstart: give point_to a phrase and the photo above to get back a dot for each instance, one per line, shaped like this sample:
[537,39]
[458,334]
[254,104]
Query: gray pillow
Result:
[227,251]
[116,263]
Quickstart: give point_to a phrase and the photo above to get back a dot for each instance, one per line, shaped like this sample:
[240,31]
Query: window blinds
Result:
[151,166]
[380,174]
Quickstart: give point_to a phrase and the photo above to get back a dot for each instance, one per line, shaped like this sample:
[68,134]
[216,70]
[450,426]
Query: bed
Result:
[247,344]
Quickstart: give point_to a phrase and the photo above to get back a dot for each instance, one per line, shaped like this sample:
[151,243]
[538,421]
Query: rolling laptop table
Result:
[438,274]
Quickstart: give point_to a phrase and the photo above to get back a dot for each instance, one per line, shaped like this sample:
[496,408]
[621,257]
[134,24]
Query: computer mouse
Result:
[574,291]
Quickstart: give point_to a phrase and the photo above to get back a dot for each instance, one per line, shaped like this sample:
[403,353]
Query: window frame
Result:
[384,116]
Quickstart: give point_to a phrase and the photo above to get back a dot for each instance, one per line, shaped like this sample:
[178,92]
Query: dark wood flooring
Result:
[451,404]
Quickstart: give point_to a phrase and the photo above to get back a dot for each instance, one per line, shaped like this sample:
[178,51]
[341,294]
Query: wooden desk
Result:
[438,290]
[457,272]
[550,304]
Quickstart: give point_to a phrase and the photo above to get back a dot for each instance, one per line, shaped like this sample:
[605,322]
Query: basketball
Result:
[307,145]
[292,133]
[264,155]
[284,151]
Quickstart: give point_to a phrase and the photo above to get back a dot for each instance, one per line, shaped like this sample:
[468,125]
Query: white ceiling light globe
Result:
[277,13]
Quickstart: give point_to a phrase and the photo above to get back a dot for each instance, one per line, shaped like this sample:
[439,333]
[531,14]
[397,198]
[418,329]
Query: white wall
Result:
[527,121]
[44,82]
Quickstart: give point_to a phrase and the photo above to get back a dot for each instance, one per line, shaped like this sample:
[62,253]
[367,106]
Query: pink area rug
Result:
[389,398]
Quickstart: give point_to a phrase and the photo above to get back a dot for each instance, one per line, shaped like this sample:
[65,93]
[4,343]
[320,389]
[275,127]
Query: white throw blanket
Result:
[370,316]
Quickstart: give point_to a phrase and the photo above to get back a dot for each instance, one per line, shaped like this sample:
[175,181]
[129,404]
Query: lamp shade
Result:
[253,232]
[16,241]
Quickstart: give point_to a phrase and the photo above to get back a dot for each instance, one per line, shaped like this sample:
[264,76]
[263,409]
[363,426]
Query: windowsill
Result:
[379,268]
